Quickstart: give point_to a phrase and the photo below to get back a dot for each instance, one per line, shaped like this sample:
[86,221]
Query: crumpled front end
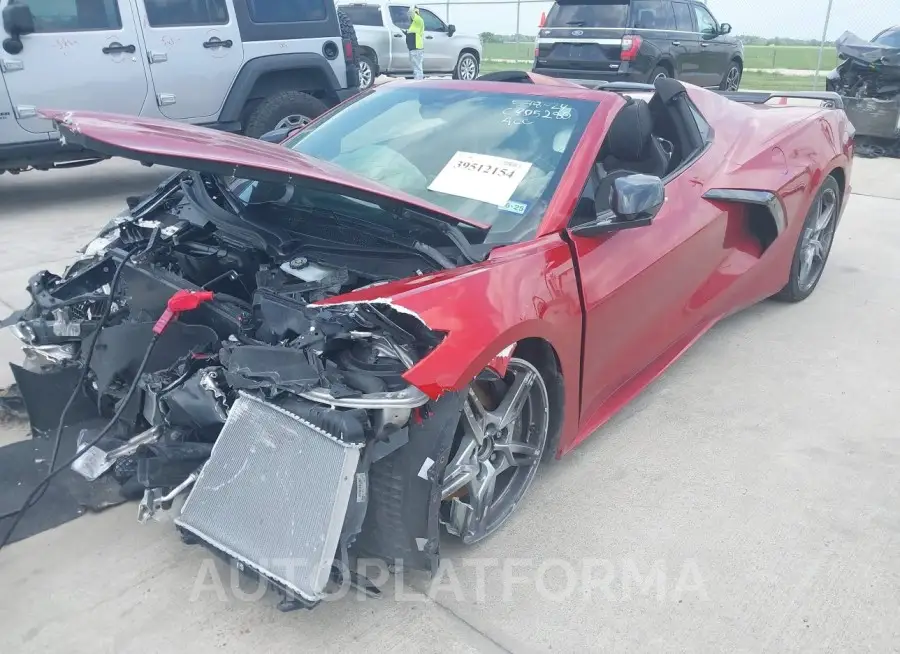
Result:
[288,426]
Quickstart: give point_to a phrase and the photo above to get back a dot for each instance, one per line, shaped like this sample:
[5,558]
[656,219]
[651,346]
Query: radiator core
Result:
[273,495]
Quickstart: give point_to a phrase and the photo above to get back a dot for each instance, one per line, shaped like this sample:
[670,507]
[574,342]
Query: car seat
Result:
[631,145]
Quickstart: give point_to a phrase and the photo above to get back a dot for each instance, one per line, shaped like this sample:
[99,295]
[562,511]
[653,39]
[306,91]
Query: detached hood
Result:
[168,143]
[851,46]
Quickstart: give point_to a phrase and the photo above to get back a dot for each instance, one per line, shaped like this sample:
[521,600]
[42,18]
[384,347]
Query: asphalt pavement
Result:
[748,501]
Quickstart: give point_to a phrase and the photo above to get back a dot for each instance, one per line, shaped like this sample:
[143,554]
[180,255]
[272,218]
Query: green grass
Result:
[795,57]
[756,81]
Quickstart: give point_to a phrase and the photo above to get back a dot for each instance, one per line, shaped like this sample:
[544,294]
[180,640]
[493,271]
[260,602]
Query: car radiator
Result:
[273,496]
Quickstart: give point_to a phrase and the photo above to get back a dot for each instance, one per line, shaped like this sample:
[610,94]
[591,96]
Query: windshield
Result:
[889,38]
[606,14]
[494,158]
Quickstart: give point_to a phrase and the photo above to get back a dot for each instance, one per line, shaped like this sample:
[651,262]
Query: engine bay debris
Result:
[201,358]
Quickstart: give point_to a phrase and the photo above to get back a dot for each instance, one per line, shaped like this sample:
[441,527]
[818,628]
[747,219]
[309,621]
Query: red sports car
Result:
[386,322]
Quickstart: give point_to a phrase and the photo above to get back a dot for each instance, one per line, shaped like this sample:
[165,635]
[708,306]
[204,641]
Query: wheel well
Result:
[665,63]
[737,59]
[474,53]
[841,178]
[309,80]
[370,53]
[541,354]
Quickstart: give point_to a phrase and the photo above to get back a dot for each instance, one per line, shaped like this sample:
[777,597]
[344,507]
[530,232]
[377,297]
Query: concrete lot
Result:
[760,476]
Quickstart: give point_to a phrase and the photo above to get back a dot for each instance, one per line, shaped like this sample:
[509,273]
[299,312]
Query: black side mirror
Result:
[18,20]
[634,201]
[280,134]
[725,28]
[451,29]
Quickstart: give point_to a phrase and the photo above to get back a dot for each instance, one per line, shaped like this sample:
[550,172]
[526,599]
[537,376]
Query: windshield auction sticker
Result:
[480,177]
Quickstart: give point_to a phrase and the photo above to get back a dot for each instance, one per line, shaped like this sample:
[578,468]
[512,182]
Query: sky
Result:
[791,18]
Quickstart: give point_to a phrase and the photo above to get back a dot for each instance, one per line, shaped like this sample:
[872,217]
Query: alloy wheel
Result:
[468,67]
[293,120]
[504,429]
[733,79]
[365,75]
[817,237]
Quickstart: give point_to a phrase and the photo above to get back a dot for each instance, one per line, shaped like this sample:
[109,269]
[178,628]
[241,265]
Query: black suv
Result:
[638,41]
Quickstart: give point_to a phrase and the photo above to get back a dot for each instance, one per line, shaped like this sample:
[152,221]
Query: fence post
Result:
[822,44]
[448,12]
[518,14]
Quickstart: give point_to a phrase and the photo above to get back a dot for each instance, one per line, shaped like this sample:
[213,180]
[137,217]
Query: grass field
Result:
[757,81]
[755,56]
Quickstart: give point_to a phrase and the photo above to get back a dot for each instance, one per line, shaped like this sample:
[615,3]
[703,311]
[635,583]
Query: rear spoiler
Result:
[829,99]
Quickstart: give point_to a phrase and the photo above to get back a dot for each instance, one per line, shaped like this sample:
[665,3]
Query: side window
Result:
[705,22]
[702,125]
[364,15]
[284,11]
[400,16]
[683,21]
[74,16]
[432,22]
[652,15]
[170,13]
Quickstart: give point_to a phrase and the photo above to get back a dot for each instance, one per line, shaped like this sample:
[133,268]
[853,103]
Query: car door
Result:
[688,61]
[713,54]
[82,55]
[399,52]
[194,49]
[647,291]
[440,51]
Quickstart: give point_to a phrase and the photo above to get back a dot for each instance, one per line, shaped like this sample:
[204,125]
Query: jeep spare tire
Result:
[284,109]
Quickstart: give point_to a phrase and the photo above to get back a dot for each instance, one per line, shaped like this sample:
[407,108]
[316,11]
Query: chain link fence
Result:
[788,44]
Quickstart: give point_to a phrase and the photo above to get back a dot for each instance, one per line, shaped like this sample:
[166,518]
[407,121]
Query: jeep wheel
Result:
[285,109]
[366,72]
[466,67]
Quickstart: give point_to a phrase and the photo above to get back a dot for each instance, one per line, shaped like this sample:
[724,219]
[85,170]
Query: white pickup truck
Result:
[380,29]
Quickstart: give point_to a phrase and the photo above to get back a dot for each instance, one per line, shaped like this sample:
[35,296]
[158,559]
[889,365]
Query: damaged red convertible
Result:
[343,344]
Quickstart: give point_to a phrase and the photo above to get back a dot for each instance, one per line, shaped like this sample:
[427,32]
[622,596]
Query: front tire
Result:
[501,439]
[283,109]
[814,243]
[466,67]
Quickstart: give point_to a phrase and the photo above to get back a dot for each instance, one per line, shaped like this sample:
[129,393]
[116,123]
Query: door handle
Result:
[676,42]
[704,45]
[216,42]
[398,36]
[116,48]
[157,57]
[429,37]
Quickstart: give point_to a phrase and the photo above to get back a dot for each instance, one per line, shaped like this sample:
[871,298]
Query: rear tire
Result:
[813,244]
[367,72]
[731,81]
[659,72]
[286,108]
[466,67]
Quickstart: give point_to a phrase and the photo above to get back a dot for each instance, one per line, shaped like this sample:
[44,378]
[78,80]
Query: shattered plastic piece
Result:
[500,363]
[426,466]
[264,365]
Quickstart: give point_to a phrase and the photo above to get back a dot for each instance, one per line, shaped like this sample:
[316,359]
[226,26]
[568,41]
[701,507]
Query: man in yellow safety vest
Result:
[415,41]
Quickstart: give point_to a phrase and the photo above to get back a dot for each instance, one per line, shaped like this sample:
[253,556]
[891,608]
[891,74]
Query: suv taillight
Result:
[630,47]
[348,50]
